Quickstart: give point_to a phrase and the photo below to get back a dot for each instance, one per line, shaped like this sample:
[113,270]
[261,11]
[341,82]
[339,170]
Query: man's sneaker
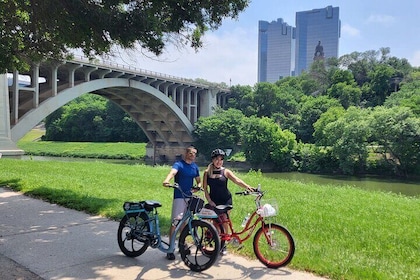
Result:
[170,256]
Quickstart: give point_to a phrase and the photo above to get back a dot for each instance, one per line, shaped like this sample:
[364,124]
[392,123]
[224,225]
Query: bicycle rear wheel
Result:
[200,247]
[131,238]
[274,245]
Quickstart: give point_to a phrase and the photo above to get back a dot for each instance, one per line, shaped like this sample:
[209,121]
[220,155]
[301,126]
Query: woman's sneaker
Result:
[223,252]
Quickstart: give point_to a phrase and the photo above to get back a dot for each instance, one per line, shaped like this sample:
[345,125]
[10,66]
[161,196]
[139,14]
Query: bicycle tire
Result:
[200,247]
[274,245]
[131,239]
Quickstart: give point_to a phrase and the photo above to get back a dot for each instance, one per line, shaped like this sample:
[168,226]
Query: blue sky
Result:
[230,53]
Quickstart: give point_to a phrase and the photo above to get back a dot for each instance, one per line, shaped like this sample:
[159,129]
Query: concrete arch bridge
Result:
[164,106]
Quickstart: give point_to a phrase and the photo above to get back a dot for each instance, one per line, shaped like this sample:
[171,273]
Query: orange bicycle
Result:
[273,244]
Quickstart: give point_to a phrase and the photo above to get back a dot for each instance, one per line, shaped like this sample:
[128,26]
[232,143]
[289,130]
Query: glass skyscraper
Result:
[275,50]
[285,51]
[314,27]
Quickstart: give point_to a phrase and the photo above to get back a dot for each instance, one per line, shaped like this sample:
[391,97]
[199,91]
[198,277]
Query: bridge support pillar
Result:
[208,102]
[7,147]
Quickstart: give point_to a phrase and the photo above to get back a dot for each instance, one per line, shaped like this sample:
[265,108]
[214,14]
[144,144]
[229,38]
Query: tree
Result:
[48,29]
[360,64]
[319,73]
[79,120]
[120,127]
[284,147]
[310,111]
[92,118]
[331,115]
[379,84]
[286,115]
[266,98]
[407,96]
[221,130]
[236,98]
[258,136]
[347,94]
[397,130]
[348,139]
[343,76]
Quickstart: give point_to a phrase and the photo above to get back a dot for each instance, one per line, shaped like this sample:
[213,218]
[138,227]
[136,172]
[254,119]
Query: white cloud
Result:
[349,30]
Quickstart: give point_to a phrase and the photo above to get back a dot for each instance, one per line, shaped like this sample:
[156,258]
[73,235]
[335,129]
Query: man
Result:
[184,171]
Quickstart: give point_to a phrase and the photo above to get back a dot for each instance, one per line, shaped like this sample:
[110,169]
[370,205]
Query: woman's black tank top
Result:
[219,192]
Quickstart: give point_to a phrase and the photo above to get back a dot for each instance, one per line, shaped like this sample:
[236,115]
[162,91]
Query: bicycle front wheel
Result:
[200,246]
[274,245]
[131,238]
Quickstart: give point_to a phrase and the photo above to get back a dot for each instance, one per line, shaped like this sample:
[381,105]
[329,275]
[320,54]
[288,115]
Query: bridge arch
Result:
[164,106]
[162,121]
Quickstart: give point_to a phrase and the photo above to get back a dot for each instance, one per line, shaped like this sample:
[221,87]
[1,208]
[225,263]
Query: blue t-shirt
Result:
[185,177]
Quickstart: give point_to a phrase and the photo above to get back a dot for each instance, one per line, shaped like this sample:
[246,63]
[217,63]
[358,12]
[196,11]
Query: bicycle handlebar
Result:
[255,192]
[176,186]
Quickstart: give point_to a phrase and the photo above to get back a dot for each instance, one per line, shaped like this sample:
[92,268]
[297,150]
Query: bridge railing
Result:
[135,70]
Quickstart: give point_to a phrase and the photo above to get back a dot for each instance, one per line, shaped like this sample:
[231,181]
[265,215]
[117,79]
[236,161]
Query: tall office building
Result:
[275,50]
[285,51]
[317,31]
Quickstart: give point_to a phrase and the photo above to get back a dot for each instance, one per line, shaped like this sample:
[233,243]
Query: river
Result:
[373,183]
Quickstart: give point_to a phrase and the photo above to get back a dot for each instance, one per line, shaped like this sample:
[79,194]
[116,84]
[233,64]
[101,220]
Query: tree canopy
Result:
[353,115]
[92,118]
[32,30]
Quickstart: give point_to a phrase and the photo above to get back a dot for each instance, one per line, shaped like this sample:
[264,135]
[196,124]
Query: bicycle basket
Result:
[268,208]
[195,204]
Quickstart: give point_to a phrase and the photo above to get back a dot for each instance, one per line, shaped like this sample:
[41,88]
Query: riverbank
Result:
[342,233]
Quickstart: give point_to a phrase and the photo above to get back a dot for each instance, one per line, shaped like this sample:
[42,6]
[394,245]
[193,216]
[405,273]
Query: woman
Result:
[215,183]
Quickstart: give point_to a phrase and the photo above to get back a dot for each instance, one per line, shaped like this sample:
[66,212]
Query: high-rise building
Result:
[317,31]
[275,50]
[285,51]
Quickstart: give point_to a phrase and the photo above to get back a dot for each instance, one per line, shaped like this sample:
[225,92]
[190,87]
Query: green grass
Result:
[32,146]
[341,233]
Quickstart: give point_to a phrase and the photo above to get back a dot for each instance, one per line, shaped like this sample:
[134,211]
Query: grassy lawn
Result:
[31,146]
[341,233]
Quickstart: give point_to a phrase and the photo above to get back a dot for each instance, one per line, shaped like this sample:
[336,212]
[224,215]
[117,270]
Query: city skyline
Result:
[230,54]
[285,50]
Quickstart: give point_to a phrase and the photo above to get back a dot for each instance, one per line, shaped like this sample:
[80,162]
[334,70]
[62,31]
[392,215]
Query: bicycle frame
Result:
[155,233]
[272,243]
[254,220]
[199,241]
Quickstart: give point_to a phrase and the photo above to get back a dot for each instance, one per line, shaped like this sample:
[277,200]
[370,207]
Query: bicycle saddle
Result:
[152,204]
[224,207]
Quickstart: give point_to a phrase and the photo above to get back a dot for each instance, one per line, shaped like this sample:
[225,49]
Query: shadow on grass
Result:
[78,201]
[83,202]
[11,183]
